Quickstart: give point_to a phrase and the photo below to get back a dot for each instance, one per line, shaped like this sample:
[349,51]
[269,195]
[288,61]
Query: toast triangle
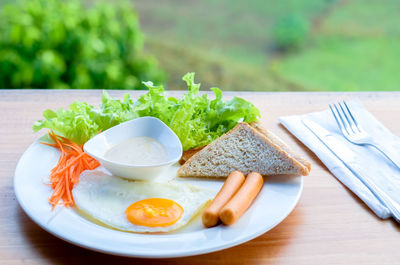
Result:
[245,148]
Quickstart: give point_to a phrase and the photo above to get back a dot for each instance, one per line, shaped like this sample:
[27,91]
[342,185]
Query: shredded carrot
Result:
[72,162]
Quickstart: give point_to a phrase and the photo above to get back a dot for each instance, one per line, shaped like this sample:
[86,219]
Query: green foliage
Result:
[291,32]
[62,44]
[214,70]
[357,19]
[338,64]
[238,30]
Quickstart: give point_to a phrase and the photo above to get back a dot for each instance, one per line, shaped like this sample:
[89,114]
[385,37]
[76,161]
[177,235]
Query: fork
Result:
[353,131]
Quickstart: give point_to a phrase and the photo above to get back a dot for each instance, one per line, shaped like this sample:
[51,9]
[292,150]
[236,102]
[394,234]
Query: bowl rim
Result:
[169,162]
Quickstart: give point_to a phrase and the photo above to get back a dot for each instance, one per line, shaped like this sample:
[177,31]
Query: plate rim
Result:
[182,253]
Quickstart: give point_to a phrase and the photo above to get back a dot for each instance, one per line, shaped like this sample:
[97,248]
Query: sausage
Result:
[231,212]
[231,186]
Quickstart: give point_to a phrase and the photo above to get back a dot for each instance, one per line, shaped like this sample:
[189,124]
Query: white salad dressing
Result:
[138,151]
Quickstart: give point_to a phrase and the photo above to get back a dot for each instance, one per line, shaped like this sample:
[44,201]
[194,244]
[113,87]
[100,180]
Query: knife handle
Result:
[382,196]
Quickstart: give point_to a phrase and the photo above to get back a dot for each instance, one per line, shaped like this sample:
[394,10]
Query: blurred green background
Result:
[256,45]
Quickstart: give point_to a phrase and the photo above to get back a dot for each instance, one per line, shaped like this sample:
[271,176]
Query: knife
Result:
[348,157]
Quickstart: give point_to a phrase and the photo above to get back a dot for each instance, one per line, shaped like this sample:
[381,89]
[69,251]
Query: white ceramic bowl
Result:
[145,126]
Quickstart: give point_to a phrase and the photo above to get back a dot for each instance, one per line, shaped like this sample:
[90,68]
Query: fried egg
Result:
[138,206]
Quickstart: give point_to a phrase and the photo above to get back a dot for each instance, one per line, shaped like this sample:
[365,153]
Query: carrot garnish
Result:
[72,162]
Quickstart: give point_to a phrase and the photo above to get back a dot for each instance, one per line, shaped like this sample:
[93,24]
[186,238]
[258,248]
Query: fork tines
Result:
[344,118]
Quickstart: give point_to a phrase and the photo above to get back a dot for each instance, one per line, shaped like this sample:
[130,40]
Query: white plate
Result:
[276,200]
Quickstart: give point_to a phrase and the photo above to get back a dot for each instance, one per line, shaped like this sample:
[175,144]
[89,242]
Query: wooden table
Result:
[329,225]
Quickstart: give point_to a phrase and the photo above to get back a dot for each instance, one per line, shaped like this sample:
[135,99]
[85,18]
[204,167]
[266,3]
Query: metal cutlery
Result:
[353,131]
[349,159]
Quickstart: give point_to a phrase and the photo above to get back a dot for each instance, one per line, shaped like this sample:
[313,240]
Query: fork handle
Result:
[382,196]
[385,152]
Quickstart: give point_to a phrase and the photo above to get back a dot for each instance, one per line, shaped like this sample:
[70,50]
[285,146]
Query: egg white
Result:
[105,198]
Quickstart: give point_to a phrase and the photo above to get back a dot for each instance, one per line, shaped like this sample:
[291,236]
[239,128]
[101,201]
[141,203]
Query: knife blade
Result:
[349,158]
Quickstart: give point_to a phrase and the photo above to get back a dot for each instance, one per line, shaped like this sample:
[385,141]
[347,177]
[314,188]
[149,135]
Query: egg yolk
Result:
[154,212]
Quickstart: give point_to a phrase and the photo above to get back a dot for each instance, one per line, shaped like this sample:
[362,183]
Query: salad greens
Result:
[196,119]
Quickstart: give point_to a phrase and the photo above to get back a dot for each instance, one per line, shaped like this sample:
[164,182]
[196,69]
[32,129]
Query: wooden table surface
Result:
[328,226]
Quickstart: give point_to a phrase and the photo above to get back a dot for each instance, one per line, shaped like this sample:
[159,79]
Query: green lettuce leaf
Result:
[196,119]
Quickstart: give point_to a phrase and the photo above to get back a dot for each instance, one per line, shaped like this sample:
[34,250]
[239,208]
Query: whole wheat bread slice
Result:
[246,148]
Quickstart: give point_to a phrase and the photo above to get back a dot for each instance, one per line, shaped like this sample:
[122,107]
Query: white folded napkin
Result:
[380,169]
